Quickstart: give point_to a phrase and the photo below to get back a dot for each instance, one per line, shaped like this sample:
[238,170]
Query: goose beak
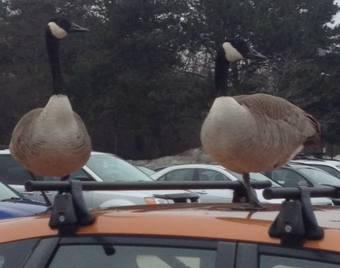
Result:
[76,29]
[253,54]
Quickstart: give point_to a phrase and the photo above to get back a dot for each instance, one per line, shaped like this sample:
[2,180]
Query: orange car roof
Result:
[195,221]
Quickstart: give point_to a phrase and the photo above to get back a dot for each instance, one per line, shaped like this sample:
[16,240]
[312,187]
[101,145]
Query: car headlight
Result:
[157,201]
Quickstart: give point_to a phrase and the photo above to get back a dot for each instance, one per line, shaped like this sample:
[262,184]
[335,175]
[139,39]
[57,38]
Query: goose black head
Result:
[60,27]
[238,49]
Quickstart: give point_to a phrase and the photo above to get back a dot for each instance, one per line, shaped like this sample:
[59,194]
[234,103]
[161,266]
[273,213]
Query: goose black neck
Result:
[52,45]
[221,74]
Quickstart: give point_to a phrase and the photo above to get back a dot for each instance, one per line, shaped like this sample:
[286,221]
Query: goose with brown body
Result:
[253,133]
[52,141]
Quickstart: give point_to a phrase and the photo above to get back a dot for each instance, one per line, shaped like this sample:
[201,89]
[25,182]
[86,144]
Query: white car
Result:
[100,167]
[208,172]
[330,166]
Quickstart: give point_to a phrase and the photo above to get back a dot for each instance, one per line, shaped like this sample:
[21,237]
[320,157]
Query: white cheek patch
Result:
[57,31]
[231,53]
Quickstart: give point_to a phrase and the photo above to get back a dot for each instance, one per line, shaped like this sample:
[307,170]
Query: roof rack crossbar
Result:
[112,186]
[295,192]
[296,220]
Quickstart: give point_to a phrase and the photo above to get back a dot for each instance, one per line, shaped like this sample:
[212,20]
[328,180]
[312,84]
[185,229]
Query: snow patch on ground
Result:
[192,156]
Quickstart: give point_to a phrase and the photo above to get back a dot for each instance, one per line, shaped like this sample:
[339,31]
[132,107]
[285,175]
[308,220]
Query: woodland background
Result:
[142,78]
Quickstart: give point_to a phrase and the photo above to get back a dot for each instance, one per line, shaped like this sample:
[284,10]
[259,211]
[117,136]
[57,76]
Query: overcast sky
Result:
[337,17]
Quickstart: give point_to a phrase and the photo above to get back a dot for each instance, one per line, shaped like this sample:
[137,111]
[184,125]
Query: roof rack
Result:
[65,186]
[69,210]
[296,221]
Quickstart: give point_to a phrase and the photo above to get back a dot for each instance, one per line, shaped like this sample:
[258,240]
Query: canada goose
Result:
[253,133]
[52,141]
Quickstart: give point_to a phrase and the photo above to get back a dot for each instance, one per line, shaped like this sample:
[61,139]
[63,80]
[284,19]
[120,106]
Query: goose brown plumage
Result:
[253,133]
[52,141]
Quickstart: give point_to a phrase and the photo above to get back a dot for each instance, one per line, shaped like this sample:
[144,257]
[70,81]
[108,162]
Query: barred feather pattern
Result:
[257,133]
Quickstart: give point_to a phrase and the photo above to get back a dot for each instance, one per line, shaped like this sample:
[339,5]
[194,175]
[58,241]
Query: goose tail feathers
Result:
[314,140]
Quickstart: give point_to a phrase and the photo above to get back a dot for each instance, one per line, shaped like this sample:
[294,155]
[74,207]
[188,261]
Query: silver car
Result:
[208,172]
[103,167]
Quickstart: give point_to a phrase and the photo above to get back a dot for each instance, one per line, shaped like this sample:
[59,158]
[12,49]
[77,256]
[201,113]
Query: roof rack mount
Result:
[69,210]
[296,220]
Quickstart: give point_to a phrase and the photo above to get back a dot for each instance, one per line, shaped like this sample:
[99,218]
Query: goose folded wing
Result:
[276,110]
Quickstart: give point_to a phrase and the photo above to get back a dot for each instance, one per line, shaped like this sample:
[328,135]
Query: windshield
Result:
[255,177]
[320,177]
[6,193]
[111,169]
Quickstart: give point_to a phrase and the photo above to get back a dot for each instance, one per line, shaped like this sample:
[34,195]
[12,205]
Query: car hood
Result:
[20,208]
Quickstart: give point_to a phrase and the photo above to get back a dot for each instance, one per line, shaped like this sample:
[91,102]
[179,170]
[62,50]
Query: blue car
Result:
[13,204]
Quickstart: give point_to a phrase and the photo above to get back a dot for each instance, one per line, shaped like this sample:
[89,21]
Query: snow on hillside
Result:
[192,156]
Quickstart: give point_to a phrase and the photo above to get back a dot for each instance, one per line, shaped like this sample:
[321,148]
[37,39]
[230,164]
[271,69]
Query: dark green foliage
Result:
[142,78]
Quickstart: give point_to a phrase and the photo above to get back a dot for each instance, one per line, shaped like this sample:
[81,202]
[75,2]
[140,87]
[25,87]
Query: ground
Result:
[192,156]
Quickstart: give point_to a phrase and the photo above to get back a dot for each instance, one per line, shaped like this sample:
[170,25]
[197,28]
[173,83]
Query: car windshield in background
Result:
[255,177]
[146,170]
[320,177]
[330,169]
[6,193]
[113,169]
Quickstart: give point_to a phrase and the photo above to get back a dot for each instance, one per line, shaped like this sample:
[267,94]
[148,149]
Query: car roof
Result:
[164,170]
[183,166]
[216,167]
[7,151]
[213,222]
[4,151]
[192,166]
[334,163]
[297,165]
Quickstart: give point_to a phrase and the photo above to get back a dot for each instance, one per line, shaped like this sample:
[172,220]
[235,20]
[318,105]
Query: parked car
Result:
[294,175]
[330,166]
[207,172]
[175,236]
[13,204]
[101,167]
[146,170]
